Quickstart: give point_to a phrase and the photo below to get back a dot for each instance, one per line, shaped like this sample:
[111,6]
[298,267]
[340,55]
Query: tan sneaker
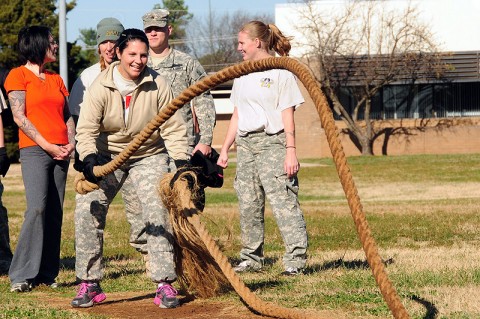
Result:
[246,266]
[292,271]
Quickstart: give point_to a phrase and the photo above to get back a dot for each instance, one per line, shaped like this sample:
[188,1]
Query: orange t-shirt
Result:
[44,104]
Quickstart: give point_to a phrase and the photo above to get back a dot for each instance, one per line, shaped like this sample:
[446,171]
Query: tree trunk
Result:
[367,149]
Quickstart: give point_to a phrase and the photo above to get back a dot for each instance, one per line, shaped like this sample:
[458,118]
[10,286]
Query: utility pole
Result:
[210,31]
[62,41]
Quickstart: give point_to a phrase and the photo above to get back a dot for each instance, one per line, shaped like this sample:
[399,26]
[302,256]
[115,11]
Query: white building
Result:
[455,24]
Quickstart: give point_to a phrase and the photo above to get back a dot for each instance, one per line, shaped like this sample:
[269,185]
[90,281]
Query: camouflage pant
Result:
[133,212]
[91,211]
[5,252]
[260,174]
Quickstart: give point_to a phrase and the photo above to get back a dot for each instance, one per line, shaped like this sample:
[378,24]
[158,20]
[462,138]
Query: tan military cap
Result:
[155,18]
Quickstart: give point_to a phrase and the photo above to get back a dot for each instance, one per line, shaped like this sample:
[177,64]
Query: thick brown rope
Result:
[326,117]
[197,271]
[184,215]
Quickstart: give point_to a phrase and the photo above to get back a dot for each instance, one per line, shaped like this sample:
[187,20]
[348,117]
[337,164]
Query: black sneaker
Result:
[88,295]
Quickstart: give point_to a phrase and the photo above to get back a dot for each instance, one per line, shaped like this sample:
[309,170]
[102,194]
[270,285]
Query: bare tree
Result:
[361,50]
[213,39]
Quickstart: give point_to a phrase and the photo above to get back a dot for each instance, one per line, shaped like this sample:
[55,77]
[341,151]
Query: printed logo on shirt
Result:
[266,82]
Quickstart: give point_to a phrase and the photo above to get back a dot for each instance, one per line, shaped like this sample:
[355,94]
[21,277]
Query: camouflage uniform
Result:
[260,173]
[181,70]
[133,211]
[91,212]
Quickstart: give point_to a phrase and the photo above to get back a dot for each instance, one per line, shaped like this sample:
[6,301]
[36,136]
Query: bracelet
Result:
[290,147]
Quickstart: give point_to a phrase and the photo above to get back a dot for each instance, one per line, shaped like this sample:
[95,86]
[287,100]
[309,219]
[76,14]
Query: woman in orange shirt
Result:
[46,141]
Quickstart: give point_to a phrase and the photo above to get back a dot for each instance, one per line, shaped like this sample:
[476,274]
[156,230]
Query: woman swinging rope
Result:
[116,107]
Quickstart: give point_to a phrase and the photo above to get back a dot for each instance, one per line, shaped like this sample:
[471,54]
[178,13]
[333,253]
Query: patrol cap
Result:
[155,18]
[108,29]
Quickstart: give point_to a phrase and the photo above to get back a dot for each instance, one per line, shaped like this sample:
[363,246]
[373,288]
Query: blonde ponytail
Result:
[270,36]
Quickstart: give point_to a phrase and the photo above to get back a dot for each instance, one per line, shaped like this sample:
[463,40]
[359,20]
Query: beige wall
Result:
[427,136]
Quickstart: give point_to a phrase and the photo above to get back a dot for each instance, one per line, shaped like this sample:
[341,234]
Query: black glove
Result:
[208,172]
[77,164]
[4,161]
[88,163]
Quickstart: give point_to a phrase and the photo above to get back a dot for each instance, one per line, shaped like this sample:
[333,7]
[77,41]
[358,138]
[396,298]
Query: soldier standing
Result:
[263,127]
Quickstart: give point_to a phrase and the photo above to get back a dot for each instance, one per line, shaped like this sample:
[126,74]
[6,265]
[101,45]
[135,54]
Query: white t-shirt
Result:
[260,98]
[125,87]
[82,83]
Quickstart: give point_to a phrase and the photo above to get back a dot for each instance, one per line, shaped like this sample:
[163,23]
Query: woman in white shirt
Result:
[263,127]
[108,31]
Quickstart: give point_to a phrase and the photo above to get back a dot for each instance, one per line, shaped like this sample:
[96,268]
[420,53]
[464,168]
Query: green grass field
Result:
[423,212]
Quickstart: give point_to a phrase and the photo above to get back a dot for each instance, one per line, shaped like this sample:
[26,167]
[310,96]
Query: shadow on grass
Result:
[268,262]
[341,263]
[265,284]
[137,298]
[68,263]
[432,311]
[183,300]
[123,272]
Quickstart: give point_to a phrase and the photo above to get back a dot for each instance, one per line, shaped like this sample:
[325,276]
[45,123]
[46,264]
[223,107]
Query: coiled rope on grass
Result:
[326,117]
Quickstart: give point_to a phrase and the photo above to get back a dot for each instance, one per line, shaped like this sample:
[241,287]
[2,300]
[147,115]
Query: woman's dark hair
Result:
[33,43]
[130,34]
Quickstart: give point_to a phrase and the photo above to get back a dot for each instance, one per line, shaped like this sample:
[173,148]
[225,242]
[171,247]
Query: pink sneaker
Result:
[88,295]
[166,296]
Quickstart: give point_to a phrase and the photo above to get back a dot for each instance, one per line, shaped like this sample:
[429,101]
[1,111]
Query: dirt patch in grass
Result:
[138,305]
